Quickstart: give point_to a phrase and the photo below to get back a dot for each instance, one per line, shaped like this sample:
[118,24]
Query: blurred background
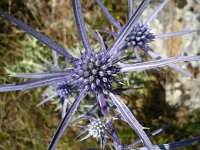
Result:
[165,97]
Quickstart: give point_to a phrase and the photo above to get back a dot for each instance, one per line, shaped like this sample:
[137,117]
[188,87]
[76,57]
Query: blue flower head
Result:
[141,35]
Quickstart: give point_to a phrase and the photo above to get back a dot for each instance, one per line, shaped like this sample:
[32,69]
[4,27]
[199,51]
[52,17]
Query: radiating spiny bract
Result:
[140,35]
[94,72]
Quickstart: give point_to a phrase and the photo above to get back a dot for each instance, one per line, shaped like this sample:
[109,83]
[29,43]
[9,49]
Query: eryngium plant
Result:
[94,73]
[61,89]
[141,34]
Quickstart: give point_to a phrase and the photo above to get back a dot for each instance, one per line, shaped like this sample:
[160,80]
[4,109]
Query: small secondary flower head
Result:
[96,128]
[63,89]
[140,35]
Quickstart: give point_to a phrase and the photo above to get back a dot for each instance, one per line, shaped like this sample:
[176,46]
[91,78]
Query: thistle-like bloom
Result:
[62,88]
[141,35]
[97,129]
[94,72]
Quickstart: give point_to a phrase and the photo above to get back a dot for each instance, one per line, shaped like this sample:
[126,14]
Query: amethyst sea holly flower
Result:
[97,128]
[141,35]
[94,72]
[62,88]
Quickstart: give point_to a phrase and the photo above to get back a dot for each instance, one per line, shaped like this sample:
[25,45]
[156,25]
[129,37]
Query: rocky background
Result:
[180,15]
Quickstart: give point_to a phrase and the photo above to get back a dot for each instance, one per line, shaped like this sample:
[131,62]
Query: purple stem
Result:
[81,25]
[173,145]
[127,28]
[157,57]
[108,15]
[149,135]
[39,36]
[113,132]
[131,120]
[65,122]
[130,8]
[102,104]
[157,63]
[173,34]
[156,11]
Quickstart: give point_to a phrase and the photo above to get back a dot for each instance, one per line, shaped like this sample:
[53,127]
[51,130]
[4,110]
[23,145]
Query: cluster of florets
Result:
[96,128]
[94,72]
[140,35]
[63,89]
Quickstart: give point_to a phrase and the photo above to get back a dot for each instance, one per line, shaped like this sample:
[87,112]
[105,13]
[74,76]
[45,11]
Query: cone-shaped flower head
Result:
[94,72]
[63,89]
[96,128]
[140,35]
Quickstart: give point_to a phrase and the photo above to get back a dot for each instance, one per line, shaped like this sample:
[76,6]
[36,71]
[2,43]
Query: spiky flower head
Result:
[140,35]
[94,72]
[96,128]
[63,89]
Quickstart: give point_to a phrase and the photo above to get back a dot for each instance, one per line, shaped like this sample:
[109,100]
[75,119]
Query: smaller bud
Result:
[140,43]
[98,81]
[128,43]
[91,78]
[94,71]
[96,129]
[87,87]
[101,73]
[85,81]
[84,66]
[90,65]
[138,38]
[139,33]
[80,72]
[104,67]
[93,86]
[133,43]
[97,63]
[105,79]
[109,72]
[127,39]
[132,37]
[86,73]
[134,33]
[143,37]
